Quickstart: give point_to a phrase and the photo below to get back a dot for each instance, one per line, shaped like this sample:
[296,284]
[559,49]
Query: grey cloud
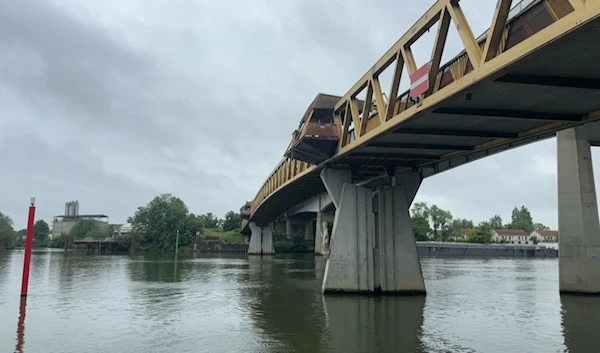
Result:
[57,173]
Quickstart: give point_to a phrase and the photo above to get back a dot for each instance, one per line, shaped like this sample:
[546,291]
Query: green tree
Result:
[481,234]
[420,227]
[496,222]
[157,223]
[193,225]
[540,226]
[232,221]
[210,221]
[420,209]
[7,232]
[40,233]
[453,230]
[466,223]
[521,219]
[88,228]
[439,218]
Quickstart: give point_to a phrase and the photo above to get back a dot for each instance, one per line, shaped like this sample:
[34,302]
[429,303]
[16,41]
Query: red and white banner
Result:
[419,81]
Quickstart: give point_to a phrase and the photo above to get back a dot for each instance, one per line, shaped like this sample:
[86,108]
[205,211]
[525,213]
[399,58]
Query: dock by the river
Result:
[97,246]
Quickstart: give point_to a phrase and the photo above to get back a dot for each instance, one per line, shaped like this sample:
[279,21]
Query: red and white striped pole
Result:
[28,246]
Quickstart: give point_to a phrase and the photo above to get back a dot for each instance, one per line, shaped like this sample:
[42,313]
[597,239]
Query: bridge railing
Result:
[285,171]
[477,57]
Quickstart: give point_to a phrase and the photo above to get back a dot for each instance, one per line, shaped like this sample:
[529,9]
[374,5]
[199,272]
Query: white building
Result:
[511,236]
[545,236]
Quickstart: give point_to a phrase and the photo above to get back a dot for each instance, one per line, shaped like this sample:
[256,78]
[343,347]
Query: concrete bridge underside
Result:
[547,85]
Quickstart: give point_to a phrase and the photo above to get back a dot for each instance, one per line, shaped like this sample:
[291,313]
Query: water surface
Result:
[86,303]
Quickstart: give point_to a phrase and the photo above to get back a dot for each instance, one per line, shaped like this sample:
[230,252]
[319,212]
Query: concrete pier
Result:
[261,240]
[578,224]
[372,251]
[398,265]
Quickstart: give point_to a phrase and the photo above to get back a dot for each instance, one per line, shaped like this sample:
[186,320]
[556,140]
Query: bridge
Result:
[356,161]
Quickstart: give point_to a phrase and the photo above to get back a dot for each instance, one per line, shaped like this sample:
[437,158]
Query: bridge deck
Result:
[548,82]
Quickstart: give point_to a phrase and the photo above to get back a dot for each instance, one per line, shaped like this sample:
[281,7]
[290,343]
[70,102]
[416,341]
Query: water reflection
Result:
[284,308]
[373,324]
[21,325]
[158,267]
[581,321]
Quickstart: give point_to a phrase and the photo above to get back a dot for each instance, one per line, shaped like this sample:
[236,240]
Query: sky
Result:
[112,102]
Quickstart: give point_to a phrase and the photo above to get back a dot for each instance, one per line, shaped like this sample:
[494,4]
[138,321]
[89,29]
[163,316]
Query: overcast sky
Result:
[112,102]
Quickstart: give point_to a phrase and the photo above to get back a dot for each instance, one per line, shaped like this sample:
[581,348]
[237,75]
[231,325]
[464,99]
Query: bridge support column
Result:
[368,253]
[261,240]
[288,228]
[578,223]
[397,265]
[319,235]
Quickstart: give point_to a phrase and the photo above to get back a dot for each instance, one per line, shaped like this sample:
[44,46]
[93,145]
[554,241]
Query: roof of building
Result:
[127,227]
[511,232]
[548,233]
[322,101]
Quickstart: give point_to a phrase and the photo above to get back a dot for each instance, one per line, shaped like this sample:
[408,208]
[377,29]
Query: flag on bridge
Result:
[419,81]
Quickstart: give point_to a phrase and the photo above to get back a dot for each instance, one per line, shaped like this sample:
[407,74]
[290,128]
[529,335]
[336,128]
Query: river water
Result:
[86,303]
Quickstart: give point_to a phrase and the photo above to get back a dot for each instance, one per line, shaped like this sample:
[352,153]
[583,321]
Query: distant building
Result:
[64,223]
[545,236]
[126,228]
[512,236]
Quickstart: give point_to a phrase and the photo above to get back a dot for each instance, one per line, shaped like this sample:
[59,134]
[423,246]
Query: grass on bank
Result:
[230,237]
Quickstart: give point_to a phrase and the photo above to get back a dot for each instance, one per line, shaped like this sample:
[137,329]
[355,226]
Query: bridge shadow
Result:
[581,320]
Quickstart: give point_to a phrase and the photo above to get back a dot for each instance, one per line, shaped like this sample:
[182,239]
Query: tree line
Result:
[434,223]
[154,227]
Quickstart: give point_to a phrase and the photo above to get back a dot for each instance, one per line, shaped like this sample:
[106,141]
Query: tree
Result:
[540,226]
[453,230]
[420,209]
[158,221]
[232,221]
[88,228]
[420,227]
[40,232]
[7,232]
[496,222]
[193,224]
[521,219]
[210,221]
[481,234]
[466,223]
[439,219]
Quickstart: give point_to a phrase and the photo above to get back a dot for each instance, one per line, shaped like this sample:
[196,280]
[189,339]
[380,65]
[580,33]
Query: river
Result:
[213,303]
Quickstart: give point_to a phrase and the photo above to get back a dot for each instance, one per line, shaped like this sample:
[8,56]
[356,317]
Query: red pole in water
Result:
[28,246]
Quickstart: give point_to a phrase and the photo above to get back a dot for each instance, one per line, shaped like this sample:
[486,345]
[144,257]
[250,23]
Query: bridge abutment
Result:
[261,239]
[578,223]
[372,247]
